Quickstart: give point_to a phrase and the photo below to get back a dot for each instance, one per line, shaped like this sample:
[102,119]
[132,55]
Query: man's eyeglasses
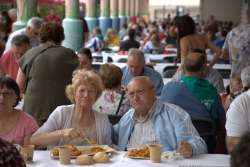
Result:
[7,94]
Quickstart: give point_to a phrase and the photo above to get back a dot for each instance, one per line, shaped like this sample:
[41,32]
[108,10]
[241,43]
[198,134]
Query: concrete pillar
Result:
[25,10]
[132,11]
[144,9]
[137,8]
[91,15]
[121,8]
[73,26]
[114,15]
[105,21]
[127,10]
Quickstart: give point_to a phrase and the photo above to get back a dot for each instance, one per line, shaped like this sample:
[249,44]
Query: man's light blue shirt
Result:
[151,73]
[171,125]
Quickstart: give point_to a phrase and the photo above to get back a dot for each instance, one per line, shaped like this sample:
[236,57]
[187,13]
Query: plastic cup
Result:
[147,58]
[104,57]
[64,155]
[24,156]
[29,151]
[155,153]
[223,97]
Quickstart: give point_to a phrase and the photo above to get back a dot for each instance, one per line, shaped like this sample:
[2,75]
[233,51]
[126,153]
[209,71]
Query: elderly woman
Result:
[45,71]
[72,123]
[15,126]
[113,100]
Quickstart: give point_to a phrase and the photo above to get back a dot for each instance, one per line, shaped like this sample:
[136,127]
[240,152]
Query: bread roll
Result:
[84,160]
[101,157]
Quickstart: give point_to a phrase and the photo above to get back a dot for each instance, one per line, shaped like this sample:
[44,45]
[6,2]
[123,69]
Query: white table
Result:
[42,159]
[160,66]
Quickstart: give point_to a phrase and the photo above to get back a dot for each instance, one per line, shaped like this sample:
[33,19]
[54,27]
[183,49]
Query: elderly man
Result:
[212,75]
[20,45]
[238,114]
[198,97]
[31,31]
[151,121]
[236,48]
[96,41]
[136,67]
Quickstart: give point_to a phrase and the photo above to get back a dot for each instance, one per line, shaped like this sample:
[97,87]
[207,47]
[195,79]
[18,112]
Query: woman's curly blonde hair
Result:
[81,77]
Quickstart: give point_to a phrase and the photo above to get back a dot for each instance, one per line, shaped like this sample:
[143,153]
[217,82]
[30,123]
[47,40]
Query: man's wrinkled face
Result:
[141,97]
[135,66]
[19,51]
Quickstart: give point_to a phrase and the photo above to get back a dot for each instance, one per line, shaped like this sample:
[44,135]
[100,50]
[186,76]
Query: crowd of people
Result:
[66,101]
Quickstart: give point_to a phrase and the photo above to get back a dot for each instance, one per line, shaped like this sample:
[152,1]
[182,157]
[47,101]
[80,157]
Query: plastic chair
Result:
[122,60]
[114,119]
[161,61]
[169,71]
[100,59]
[206,127]
[225,73]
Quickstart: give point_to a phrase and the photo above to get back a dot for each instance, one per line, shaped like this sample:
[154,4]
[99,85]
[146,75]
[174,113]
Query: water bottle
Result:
[147,54]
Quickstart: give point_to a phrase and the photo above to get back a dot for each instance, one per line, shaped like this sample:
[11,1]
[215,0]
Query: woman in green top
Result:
[45,71]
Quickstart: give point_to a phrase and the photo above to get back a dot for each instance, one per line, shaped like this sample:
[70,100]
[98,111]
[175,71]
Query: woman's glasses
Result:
[7,94]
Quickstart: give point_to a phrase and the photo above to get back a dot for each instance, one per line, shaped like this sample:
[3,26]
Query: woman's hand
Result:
[12,141]
[72,133]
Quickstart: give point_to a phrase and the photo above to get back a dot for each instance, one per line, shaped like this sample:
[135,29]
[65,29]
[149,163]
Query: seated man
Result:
[136,67]
[96,41]
[151,121]
[238,119]
[211,75]
[8,62]
[198,97]
[129,43]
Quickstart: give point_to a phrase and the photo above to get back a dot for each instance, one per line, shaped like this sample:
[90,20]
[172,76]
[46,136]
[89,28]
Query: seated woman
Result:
[85,59]
[154,44]
[70,124]
[112,38]
[15,126]
[113,100]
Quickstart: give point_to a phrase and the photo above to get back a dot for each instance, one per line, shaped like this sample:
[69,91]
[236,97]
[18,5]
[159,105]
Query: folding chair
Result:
[225,73]
[206,128]
[169,71]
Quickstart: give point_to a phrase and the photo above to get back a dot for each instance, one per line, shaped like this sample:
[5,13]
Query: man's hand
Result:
[185,149]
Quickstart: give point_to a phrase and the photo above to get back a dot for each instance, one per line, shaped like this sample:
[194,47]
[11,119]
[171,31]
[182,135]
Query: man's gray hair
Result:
[147,80]
[245,76]
[19,40]
[13,12]
[136,54]
[34,22]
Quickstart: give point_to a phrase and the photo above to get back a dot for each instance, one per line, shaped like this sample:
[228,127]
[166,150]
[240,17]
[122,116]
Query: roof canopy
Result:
[45,2]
